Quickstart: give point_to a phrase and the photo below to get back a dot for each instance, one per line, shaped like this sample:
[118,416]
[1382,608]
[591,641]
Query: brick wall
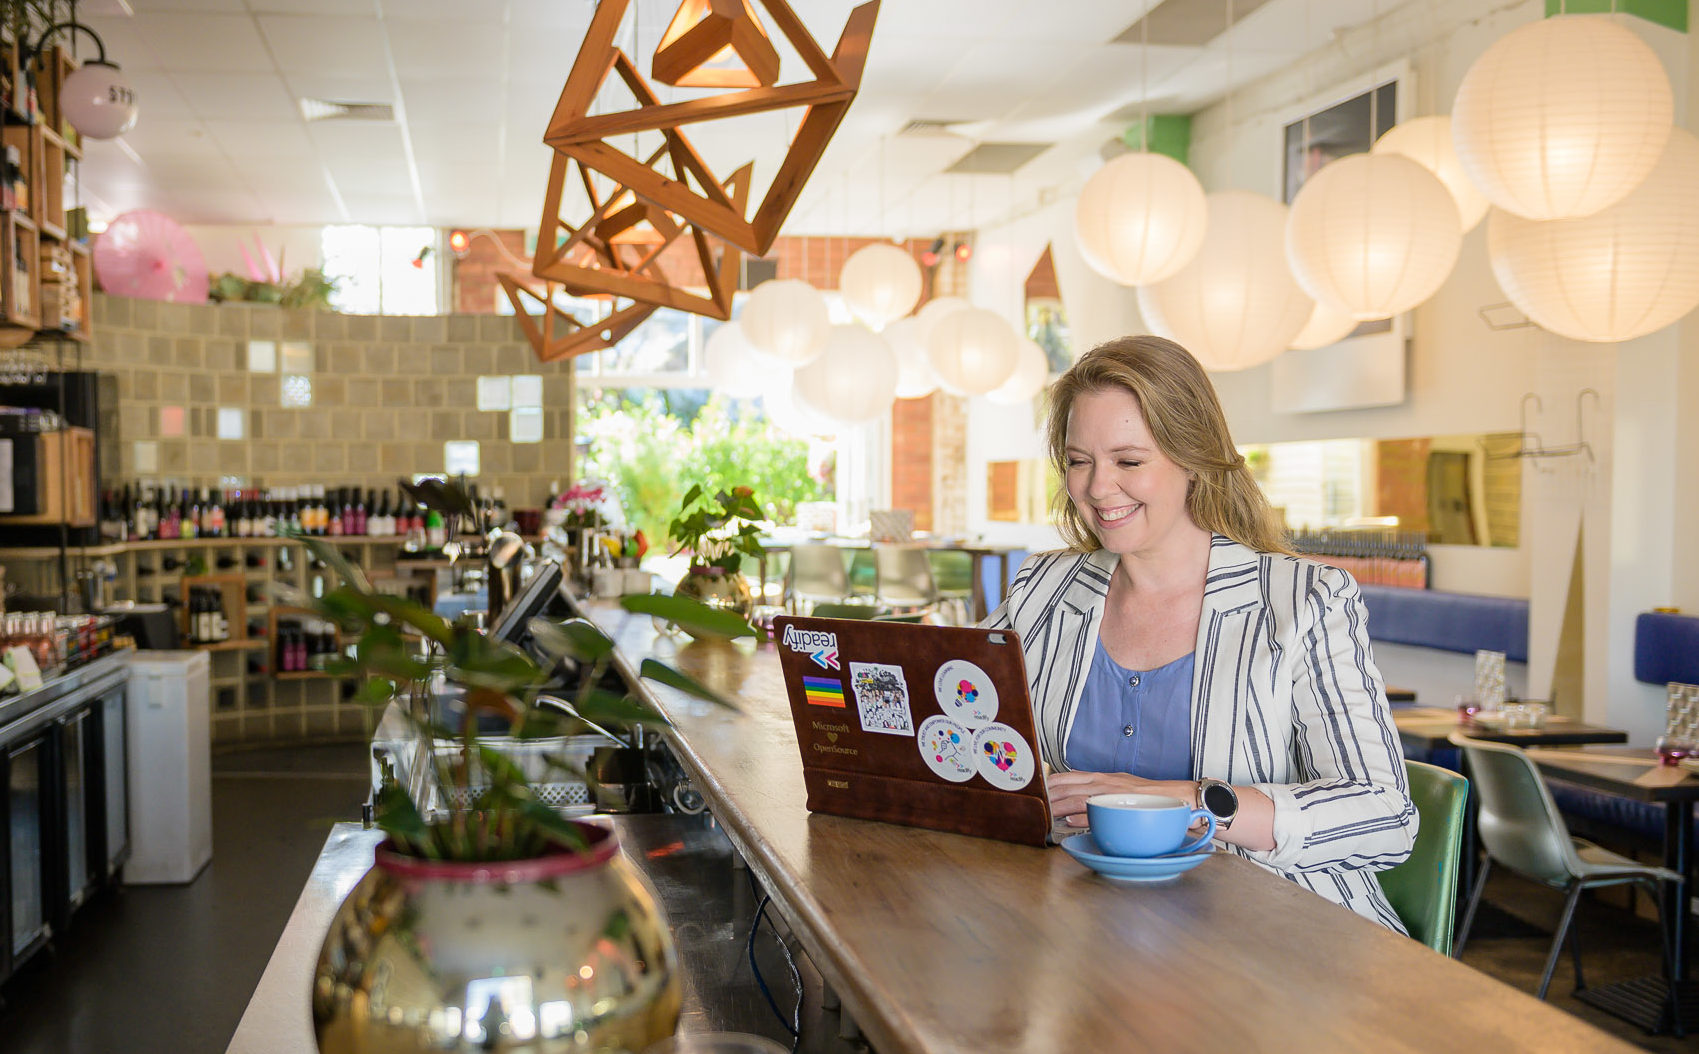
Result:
[387,393]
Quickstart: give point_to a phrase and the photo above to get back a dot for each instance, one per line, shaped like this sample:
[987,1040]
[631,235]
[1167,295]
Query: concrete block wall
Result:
[388,392]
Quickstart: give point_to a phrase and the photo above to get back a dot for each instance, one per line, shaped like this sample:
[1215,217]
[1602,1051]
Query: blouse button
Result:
[1133,680]
[1127,731]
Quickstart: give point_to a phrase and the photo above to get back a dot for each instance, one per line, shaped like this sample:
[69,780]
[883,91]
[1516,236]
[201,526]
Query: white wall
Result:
[1628,508]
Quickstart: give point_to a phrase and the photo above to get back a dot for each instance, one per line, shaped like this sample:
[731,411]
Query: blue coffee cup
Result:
[1145,824]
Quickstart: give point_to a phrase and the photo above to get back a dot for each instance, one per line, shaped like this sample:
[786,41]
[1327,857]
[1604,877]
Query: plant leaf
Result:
[345,568]
[575,638]
[694,616]
[664,674]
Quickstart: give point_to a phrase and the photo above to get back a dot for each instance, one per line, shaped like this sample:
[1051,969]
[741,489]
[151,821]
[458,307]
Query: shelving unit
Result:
[46,283]
[250,702]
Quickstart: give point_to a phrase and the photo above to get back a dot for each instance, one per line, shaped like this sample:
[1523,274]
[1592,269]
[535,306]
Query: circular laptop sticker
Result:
[947,748]
[1005,759]
[965,693]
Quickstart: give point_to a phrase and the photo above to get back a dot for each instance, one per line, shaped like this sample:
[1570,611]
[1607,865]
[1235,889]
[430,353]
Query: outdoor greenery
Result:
[652,457]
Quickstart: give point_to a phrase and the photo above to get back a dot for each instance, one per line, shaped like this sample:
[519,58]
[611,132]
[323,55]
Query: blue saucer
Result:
[1133,868]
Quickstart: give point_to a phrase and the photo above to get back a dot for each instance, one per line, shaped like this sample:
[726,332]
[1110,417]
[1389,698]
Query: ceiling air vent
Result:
[997,159]
[1185,23]
[926,127]
[326,110]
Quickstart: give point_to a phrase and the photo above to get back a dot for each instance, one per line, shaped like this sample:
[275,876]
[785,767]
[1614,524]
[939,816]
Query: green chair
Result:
[856,611]
[952,574]
[863,576]
[1423,889]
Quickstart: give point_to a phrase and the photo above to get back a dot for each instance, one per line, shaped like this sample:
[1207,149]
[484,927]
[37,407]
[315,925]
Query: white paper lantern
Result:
[1372,235]
[1427,141]
[1032,369]
[1140,218]
[853,382]
[937,308]
[1562,117]
[1236,305]
[1615,275]
[731,363]
[785,319]
[972,351]
[881,283]
[1326,326]
[914,374]
[781,408]
[99,101]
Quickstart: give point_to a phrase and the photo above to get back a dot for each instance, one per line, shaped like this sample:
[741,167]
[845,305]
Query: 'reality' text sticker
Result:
[1003,756]
[947,748]
[965,693]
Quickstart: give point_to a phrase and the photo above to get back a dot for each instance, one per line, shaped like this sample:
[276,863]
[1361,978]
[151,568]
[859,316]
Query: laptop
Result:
[929,726]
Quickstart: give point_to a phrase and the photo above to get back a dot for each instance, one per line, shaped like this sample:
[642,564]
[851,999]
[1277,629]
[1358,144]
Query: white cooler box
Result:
[170,736]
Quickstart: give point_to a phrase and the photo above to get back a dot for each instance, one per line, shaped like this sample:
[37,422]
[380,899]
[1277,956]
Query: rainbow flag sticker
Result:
[823,691]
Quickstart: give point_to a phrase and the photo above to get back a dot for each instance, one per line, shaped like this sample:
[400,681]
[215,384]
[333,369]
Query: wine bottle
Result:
[170,563]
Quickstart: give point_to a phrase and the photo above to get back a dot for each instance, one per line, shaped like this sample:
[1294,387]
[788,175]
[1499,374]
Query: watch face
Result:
[1219,799]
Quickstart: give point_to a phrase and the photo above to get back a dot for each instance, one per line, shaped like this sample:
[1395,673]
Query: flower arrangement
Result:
[718,530]
[582,503]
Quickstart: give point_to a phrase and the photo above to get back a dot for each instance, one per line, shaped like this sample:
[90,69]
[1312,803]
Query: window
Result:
[381,270]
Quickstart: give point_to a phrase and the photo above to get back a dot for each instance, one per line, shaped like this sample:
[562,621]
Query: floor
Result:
[170,969]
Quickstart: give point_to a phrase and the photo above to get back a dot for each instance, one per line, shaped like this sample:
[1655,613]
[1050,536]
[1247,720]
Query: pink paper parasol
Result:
[146,255]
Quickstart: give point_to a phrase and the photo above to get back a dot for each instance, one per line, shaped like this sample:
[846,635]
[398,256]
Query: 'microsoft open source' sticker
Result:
[965,694]
[1003,757]
[947,748]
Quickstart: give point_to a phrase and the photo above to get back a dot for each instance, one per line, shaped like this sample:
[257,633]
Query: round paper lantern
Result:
[880,283]
[1427,141]
[1032,369]
[1372,235]
[731,363]
[1236,305]
[971,350]
[1617,274]
[914,374]
[937,308]
[786,320]
[1326,326]
[782,410]
[98,100]
[853,382]
[1140,218]
[1562,117]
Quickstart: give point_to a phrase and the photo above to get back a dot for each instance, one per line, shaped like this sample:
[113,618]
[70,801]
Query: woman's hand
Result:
[1069,790]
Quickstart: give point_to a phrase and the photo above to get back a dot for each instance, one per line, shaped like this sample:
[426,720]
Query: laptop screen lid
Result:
[929,726]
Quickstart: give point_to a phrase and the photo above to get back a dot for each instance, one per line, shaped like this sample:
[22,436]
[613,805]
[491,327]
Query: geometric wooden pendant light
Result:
[715,44]
[701,200]
[560,334]
[617,249]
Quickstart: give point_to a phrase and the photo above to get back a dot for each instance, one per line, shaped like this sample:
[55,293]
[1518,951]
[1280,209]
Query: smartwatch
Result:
[1220,799]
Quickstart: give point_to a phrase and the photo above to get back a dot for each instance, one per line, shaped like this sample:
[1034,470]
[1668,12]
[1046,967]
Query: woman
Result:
[1177,648]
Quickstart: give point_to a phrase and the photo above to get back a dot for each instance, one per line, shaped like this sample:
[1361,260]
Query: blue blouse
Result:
[1137,721]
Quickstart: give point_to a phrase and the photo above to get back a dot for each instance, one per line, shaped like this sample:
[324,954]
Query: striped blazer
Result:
[1285,698]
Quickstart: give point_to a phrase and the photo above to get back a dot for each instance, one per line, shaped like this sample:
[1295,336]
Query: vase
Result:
[716,587]
[566,952]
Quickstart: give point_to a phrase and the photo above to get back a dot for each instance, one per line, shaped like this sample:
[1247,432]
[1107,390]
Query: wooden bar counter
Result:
[939,942]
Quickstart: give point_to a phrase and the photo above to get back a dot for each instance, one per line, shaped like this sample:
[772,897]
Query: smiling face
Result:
[1125,488]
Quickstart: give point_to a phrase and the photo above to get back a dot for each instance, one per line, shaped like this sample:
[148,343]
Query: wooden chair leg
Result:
[1469,914]
[1563,925]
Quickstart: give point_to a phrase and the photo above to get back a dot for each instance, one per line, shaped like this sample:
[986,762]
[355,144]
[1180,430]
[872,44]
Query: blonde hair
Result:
[1184,415]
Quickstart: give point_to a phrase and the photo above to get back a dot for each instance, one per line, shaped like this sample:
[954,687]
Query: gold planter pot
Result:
[563,953]
[718,588]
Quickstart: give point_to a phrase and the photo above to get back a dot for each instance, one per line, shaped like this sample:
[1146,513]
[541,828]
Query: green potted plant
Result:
[718,531]
[496,916]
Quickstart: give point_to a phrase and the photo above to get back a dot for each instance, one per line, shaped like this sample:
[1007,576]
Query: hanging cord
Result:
[794,1026]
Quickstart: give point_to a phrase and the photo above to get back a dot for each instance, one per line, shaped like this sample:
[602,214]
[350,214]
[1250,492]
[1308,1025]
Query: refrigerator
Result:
[170,766]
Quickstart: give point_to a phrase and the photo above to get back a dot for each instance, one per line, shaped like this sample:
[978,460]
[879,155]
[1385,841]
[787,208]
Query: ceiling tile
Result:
[453,143]
[271,140]
[457,99]
[236,95]
[125,43]
[321,44]
[371,175]
[382,209]
[206,43]
[545,14]
[443,48]
[179,139]
[157,96]
[301,7]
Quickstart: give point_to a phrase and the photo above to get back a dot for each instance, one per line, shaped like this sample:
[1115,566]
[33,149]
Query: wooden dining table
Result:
[1425,728]
[943,942]
[1637,774]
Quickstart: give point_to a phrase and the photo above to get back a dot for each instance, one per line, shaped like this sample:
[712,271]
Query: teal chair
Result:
[856,611]
[952,574]
[1423,889]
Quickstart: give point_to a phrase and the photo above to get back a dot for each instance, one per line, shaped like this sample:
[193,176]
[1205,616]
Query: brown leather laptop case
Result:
[928,726]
